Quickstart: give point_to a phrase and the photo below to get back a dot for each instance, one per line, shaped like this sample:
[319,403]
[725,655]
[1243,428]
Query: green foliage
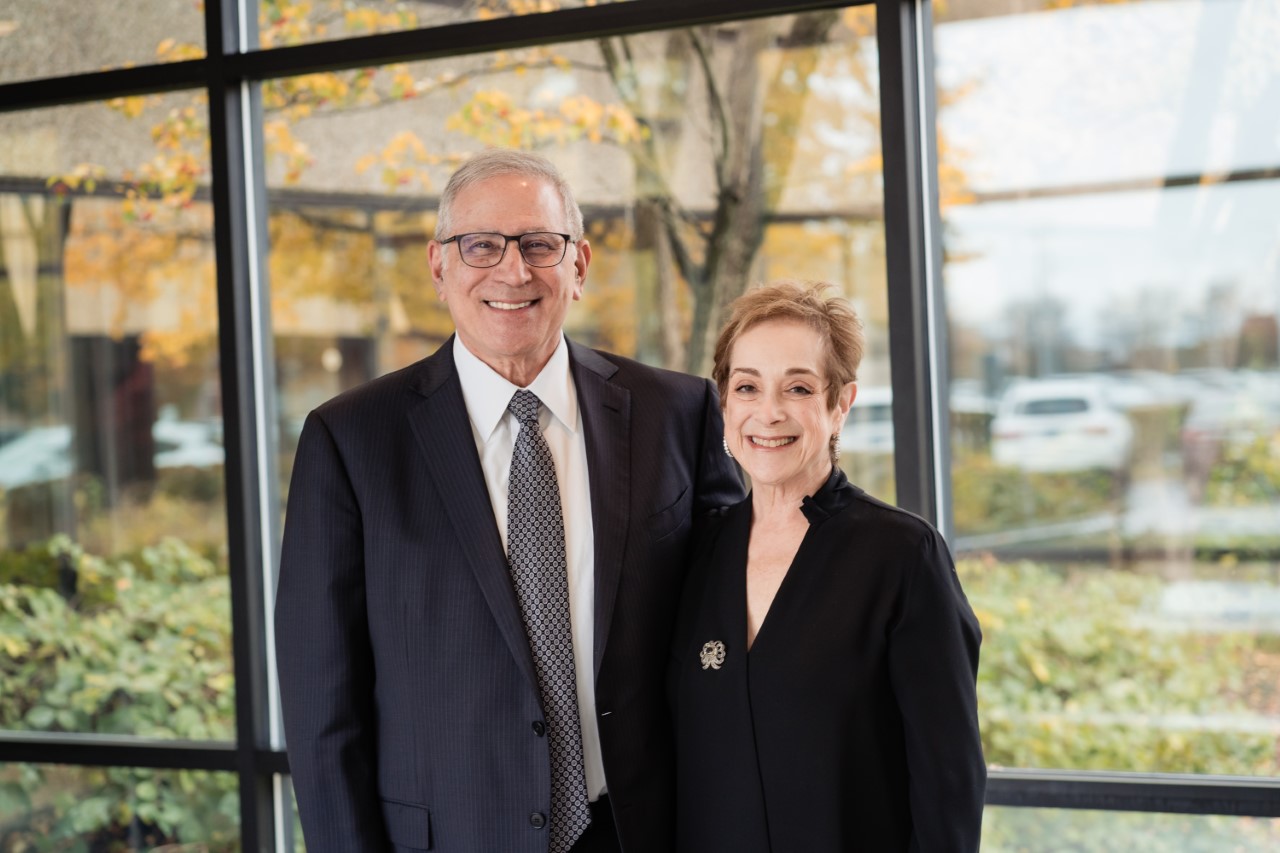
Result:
[54,565]
[142,648]
[199,485]
[988,497]
[1076,675]
[1248,474]
[118,809]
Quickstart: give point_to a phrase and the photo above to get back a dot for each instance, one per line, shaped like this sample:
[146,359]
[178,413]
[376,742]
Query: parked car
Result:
[1216,421]
[43,453]
[1060,424]
[186,443]
[869,427]
[37,455]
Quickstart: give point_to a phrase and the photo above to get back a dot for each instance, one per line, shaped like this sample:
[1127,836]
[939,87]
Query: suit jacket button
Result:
[539,728]
[537,820]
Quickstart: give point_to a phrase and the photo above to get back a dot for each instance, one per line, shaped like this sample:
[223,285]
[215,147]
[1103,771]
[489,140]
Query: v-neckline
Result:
[785,584]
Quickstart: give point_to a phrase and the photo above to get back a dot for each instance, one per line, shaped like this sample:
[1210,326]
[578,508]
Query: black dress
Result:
[852,722]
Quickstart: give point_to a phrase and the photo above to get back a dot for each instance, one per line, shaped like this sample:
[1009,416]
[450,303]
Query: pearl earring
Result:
[725,443]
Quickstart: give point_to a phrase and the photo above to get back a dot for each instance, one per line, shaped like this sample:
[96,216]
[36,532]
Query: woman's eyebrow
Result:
[790,371]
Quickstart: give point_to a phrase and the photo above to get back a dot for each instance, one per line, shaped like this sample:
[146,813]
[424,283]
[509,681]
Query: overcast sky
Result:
[1115,93]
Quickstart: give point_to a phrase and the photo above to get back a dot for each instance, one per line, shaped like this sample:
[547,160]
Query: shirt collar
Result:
[486,392]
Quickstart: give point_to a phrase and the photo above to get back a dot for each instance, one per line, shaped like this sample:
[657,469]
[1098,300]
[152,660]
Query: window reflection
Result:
[46,38]
[1111,286]
[114,602]
[638,126]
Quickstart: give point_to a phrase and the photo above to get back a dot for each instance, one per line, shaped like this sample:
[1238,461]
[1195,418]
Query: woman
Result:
[823,667]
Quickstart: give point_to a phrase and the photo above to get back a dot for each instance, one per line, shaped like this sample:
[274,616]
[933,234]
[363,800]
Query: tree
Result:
[746,82]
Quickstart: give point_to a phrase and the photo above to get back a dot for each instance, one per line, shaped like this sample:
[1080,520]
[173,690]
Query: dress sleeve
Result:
[324,655]
[933,667]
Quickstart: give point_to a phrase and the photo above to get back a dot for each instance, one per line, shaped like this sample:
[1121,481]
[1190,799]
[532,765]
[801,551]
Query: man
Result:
[482,559]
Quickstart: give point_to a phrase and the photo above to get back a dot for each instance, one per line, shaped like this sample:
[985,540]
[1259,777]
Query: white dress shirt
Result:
[486,394]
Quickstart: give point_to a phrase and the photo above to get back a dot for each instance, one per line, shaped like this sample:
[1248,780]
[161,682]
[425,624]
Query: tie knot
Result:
[524,405]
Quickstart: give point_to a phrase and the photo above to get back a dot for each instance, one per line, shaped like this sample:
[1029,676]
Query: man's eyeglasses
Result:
[485,249]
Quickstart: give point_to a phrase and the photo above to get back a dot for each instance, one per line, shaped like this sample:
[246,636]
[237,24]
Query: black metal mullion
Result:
[107,751]
[101,85]
[236,231]
[917,350]
[402,46]
[1233,796]
[516,31]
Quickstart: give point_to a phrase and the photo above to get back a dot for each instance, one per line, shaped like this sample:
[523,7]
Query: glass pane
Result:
[287,22]
[1026,830]
[1111,273]
[631,123]
[55,807]
[114,601]
[48,38]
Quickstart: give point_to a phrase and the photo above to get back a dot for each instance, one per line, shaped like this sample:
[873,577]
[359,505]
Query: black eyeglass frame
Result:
[506,241]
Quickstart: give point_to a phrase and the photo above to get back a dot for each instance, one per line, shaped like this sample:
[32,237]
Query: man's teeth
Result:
[509,306]
[772,442]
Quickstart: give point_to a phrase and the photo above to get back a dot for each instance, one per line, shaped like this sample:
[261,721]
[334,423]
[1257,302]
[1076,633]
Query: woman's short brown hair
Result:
[807,302]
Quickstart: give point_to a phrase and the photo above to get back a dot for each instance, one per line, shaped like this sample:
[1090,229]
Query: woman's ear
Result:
[843,401]
[847,395]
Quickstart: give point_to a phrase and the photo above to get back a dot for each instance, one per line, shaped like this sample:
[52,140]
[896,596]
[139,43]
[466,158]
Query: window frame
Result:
[230,72]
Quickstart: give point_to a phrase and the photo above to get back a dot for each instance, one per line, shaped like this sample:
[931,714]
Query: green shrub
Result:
[143,648]
[1074,675]
[116,809]
[987,497]
[1248,474]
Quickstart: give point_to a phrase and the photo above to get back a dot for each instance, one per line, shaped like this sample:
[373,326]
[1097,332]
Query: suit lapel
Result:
[606,415]
[440,424]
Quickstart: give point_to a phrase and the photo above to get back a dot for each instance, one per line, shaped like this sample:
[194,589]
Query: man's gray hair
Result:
[494,162]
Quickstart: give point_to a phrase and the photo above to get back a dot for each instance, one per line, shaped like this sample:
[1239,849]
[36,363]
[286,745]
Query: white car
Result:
[1065,424]
[869,427]
[38,455]
[42,454]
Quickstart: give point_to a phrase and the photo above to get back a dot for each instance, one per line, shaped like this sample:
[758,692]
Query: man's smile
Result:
[510,306]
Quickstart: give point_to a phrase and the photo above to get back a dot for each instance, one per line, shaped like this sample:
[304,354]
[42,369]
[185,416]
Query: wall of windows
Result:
[1112,281]
[1057,220]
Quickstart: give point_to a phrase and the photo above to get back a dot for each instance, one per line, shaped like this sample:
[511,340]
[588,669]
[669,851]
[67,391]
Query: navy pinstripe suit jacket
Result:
[407,684]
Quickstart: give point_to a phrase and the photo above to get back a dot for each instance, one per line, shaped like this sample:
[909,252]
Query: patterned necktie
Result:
[535,550]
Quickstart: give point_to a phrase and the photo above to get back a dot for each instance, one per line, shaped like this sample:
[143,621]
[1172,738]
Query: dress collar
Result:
[836,493]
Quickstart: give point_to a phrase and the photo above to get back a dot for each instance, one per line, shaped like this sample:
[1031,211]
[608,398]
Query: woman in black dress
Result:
[824,664]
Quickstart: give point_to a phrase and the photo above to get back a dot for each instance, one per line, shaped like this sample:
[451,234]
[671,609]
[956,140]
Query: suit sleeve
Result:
[718,483]
[933,666]
[323,653]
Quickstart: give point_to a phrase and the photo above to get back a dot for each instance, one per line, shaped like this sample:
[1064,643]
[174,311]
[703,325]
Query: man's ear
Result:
[581,260]
[435,260]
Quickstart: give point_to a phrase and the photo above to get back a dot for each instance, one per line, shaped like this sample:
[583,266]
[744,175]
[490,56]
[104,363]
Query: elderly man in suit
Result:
[482,558]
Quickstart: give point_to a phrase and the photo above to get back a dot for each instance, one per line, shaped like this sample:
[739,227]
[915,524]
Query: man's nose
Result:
[513,264]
